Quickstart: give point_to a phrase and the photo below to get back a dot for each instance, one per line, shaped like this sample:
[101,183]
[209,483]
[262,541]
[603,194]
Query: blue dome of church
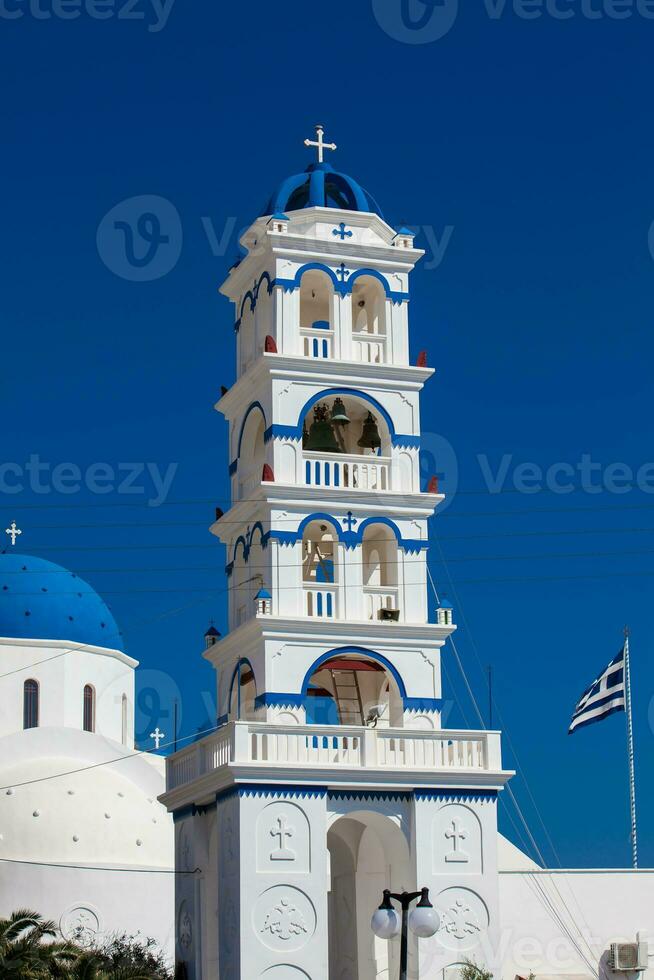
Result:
[43,601]
[320,186]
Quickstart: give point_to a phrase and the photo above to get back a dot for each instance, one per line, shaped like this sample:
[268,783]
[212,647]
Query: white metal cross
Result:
[13,532]
[157,736]
[319,143]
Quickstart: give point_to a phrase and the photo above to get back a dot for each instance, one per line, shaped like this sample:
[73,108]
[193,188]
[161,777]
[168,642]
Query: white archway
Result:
[368,852]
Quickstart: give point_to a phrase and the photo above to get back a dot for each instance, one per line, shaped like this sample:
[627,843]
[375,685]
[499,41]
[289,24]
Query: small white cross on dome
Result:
[157,736]
[319,143]
[13,532]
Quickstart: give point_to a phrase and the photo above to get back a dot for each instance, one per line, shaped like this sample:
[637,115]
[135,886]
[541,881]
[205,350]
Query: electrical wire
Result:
[95,867]
[588,962]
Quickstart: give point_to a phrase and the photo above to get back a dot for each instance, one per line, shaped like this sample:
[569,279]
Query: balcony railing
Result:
[369,348]
[244,743]
[347,471]
[320,601]
[379,597]
[316,343]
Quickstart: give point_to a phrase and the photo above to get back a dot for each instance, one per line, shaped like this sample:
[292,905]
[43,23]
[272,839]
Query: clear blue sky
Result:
[533,140]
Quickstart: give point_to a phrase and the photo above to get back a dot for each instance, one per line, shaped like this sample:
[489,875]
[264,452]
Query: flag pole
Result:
[630,749]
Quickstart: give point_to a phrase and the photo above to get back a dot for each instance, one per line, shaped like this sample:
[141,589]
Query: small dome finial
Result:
[319,143]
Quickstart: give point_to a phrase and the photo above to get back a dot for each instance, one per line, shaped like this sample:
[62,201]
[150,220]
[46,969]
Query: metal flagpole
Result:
[630,747]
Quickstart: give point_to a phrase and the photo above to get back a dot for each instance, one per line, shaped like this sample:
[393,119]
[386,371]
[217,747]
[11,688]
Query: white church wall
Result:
[282,885]
[605,906]
[90,905]
[73,798]
[455,853]
[62,669]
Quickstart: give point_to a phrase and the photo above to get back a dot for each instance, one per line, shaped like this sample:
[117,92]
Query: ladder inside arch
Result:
[347,695]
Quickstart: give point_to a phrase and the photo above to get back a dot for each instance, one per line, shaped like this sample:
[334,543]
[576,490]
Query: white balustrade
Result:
[320,601]
[317,343]
[378,597]
[369,348]
[248,484]
[348,471]
[246,743]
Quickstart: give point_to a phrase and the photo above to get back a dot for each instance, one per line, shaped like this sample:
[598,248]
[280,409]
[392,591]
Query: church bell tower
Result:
[330,776]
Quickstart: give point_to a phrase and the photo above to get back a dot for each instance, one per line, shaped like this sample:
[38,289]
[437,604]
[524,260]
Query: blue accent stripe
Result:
[423,704]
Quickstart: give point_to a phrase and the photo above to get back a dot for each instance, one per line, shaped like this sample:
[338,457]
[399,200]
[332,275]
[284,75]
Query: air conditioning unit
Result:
[389,615]
[628,957]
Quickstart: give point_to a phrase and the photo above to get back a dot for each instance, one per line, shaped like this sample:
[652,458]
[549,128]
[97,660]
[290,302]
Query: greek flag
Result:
[604,696]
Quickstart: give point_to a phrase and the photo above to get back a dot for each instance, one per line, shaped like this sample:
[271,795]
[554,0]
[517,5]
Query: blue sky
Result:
[523,148]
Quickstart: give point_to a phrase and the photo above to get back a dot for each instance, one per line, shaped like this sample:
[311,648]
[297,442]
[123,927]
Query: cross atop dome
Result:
[319,143]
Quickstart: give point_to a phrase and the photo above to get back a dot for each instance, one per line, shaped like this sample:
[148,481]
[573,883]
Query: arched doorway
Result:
[353,689]
[368,852]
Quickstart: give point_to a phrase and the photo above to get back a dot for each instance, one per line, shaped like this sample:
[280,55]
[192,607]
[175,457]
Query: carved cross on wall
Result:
[456,835]
[281,830]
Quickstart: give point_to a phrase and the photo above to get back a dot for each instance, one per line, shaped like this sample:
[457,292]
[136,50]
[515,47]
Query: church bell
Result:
[339,415]
[370,438]
[321,435]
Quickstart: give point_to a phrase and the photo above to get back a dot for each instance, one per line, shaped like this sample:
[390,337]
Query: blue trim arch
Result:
[253,296]
[362,652]
[233,466]
[246,541]
[295,431]
[243,662]
[342,286]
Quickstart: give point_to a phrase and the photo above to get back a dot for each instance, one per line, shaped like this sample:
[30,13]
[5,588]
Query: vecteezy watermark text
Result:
[35,474]
[426,21]
[154,13]
[586,474]
[140,239]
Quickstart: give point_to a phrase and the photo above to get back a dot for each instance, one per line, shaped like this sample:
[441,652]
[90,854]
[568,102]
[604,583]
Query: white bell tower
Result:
[330,777]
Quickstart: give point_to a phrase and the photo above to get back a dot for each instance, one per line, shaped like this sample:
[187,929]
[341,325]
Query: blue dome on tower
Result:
[320,186]
[43,601]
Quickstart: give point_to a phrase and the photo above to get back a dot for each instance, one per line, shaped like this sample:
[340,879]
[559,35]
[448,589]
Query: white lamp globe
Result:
[385,922]
[424,920]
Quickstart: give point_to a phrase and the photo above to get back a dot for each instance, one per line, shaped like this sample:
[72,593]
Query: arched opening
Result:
[338,428]
[252,453]
[352,689]
[368,320]
[380,556]
[316,326]
[243,693]
[368,852]
[319,569]
[88,718]
[31,703]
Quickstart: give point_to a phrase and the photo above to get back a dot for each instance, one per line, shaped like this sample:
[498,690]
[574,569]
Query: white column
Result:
[343,338]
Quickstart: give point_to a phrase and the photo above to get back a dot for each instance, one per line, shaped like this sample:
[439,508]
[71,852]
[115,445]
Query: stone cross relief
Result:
[456,834]
[282,831]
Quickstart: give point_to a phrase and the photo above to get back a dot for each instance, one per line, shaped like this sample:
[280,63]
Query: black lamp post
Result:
[423,920]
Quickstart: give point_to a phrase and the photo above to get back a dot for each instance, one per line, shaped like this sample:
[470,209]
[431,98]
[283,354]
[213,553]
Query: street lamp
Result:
[423,920]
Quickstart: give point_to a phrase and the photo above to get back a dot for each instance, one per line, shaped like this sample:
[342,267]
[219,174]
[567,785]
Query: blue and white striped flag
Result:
[604,696]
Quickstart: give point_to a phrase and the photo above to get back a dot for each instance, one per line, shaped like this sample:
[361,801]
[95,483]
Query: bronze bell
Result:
[339,415]
[370,438]
[321,435]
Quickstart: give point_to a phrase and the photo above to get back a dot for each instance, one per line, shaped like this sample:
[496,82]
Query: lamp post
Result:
[424,921]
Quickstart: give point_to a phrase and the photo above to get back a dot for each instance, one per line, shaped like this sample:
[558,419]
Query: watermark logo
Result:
[416,21]
[426,21]
[438,459]
[140,239]
[156,697]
